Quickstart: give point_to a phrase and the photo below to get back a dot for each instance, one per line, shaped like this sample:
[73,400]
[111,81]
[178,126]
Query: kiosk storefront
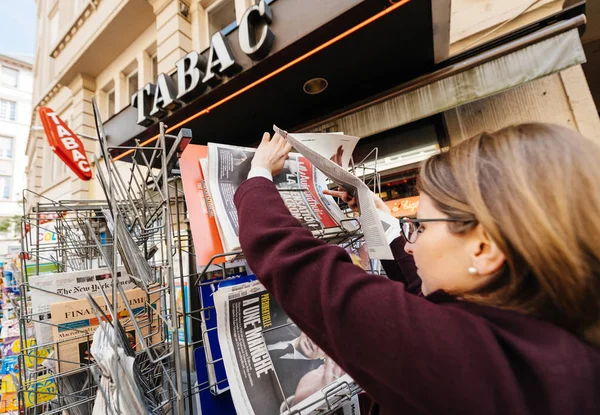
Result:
[375,69]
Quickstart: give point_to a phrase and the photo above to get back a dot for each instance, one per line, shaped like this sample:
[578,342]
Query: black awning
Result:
[392,49]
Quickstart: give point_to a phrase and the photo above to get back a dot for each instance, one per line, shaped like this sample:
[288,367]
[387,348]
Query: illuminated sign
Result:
[195,73]
[404,207]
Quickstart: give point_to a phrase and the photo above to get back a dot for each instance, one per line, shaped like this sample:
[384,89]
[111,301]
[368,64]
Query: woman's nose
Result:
[408,248]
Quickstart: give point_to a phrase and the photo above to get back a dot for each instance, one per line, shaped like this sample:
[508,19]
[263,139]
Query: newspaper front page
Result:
[75,322]
[52,288]
[272,367]
[300,186]
[373,230]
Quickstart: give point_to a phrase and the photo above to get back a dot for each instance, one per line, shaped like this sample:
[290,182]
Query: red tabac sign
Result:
[67,146]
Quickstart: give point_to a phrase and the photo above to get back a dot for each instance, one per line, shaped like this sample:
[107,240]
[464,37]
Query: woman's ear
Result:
[487,257]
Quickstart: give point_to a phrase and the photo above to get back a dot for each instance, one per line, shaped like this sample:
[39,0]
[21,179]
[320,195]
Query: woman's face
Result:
[442,258]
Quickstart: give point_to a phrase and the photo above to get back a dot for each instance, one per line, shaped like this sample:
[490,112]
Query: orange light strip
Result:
[272,74]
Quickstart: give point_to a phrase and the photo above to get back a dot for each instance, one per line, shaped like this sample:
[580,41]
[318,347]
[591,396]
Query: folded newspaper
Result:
[75,322]
[59,287]
[376,226]
[300,184]
[272,367]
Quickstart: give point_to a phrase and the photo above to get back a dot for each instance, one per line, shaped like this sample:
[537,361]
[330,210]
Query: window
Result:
[110,101]
[10,76]
[4,187]
[53,30]
[221,16]
[7,109]
[154,73]
[6,144]
[132,82]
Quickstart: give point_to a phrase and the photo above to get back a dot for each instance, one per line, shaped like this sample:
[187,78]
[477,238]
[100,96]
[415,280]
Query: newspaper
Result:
[335,146]
[75,322]
[272,367]
[373,230]
[300,185]
[52,288]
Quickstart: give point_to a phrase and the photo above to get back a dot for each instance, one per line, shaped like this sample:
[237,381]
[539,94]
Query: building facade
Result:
[113,49]
[16,83]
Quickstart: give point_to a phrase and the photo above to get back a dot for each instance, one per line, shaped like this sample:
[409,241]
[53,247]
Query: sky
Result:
[17,26]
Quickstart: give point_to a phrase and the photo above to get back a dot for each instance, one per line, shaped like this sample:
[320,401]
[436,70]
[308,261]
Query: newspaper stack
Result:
[305,175]
[128,398]
[75,321]
[272,367]
[64,286]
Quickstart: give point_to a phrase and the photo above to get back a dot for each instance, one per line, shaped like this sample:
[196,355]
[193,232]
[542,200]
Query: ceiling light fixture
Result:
[315,86]
[405,158]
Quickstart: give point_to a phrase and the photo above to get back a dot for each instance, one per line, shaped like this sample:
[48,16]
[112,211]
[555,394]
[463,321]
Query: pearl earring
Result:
[473,271]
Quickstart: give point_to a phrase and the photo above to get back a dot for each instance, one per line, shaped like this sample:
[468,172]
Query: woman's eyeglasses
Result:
[410,227]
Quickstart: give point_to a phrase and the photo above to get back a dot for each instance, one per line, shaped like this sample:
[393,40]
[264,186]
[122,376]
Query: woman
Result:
[502,316]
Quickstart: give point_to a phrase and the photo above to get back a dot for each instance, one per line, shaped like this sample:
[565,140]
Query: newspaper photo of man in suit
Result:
[301,366]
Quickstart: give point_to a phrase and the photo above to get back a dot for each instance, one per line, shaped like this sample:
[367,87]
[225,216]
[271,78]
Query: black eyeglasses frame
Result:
[417,221]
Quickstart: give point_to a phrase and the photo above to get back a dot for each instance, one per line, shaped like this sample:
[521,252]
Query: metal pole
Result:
[185,301]
[170,275]
[115,303]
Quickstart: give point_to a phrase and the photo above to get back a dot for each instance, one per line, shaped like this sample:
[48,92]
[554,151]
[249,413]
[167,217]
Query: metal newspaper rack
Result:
[142,226]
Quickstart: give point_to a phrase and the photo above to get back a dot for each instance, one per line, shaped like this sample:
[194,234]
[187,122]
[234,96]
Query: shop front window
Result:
[396,162]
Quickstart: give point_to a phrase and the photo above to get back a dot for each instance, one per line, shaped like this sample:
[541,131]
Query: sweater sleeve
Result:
[396,345]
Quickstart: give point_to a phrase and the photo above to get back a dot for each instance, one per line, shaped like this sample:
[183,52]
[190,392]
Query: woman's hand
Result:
[351,201]
[272,153]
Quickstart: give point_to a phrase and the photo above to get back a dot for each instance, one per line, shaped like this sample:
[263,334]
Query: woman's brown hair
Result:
[535,189]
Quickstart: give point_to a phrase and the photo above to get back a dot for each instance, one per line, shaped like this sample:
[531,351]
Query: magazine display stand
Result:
[142,227]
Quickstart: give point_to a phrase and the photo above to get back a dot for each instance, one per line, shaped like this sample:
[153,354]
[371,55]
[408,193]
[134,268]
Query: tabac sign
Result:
[195,72]
[67,146]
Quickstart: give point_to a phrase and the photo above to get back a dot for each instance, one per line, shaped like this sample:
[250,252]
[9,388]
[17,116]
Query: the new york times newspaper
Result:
[52,288]
[272,367]
[300,186]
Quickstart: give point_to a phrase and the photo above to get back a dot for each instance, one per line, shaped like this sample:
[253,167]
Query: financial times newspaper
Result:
[272,367]
[300,185]
[75,322]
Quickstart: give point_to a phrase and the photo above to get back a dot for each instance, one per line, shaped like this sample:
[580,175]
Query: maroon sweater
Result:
[412,354]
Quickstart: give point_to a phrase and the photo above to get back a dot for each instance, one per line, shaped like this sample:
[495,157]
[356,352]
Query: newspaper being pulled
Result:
[75,322]
[300,185]
[311,146]
[272,367]
[60,287]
